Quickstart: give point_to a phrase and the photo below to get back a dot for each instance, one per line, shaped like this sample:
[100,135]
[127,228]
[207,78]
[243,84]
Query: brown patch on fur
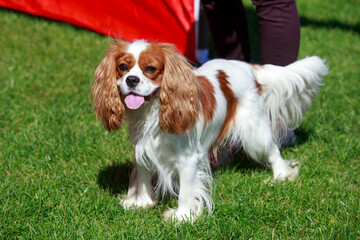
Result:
[153,56]
[107,102]
[232,102]
[258,86]
[206,93]
[123,58]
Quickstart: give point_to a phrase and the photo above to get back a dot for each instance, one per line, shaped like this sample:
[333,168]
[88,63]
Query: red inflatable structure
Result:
[171,21]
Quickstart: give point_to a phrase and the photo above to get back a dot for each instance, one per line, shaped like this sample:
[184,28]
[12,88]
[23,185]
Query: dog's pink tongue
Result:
[134,101]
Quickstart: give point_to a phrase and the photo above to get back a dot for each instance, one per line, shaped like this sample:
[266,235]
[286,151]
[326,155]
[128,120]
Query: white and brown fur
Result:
[190,112]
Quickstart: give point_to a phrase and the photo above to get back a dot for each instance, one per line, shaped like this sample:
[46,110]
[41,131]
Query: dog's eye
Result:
[123,67]
[150,69]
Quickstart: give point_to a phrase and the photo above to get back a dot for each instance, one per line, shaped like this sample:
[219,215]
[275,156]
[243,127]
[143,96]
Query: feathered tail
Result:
[288,91]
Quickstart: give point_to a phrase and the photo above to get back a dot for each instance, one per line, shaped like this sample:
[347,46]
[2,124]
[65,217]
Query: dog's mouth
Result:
[134,101]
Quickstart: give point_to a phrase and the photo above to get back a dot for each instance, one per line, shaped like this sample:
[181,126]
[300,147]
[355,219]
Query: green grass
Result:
[61,172]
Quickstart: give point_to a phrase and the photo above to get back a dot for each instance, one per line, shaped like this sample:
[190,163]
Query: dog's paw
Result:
[137,202]
[176,216]
[289,172]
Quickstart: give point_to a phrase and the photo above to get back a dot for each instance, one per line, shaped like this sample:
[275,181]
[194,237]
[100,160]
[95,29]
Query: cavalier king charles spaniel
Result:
[179,115]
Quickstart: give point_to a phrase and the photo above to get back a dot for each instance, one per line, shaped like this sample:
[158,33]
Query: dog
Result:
[177,115]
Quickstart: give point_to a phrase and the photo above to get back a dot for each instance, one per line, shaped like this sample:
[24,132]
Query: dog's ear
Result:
[179,105]
[107,102]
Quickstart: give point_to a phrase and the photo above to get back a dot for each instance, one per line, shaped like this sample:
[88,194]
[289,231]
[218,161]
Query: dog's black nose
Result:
[132,81]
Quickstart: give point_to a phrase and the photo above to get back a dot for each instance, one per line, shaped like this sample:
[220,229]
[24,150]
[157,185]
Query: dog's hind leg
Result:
[258,143]
[282,169]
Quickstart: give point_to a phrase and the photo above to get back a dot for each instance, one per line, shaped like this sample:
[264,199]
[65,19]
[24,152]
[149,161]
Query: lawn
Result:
[61,172]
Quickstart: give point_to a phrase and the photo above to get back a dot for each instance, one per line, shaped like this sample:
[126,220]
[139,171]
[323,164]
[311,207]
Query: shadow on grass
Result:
[115,178]
[302,136]
[330,24]
[243,163]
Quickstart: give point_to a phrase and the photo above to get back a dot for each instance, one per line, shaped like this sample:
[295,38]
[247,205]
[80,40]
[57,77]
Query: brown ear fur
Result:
[107,102]
[179,105]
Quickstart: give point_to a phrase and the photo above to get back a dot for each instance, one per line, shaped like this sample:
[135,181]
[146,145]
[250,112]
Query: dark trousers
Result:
[279,29]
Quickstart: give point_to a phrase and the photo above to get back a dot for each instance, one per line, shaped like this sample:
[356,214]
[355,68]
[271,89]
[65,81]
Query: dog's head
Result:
[132,75]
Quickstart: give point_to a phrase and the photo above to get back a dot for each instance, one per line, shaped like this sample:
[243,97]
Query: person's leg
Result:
[279,31]
[228,26]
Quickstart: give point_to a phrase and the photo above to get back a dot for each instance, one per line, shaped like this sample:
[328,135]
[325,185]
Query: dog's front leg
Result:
[140,189]
[194,192]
